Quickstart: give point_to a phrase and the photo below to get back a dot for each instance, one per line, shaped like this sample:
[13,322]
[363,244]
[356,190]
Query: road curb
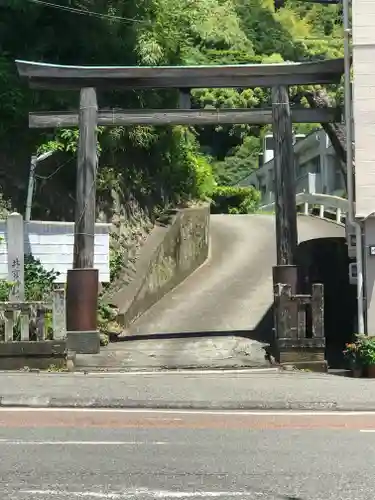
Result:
[113,403]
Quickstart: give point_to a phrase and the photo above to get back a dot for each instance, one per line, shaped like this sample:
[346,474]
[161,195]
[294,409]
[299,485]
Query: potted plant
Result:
[367,354]
[352,355]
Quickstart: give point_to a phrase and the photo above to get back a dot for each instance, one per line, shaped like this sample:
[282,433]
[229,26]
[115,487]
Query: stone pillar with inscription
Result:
[16,267]
[15,244]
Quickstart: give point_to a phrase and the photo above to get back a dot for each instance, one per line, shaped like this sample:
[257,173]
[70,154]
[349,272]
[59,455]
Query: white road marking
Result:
[367,430]
[92,443]
[141,493]
[276,413]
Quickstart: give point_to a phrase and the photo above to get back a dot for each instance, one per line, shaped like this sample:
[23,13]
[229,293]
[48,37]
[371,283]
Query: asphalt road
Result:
[233,290]
[178,455]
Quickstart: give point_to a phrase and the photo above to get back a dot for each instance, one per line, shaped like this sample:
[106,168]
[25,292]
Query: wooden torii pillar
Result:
[286,271]
[83,280]
[285,190]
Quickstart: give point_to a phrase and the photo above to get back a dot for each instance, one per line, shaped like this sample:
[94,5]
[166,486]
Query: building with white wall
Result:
[363,57]
[317,167]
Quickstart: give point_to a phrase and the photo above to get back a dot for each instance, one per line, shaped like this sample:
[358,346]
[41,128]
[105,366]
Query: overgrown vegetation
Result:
[39,283]
[157,166]
[235,200]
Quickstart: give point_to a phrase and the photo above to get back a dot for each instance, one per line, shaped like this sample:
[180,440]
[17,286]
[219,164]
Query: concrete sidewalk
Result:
[252,390]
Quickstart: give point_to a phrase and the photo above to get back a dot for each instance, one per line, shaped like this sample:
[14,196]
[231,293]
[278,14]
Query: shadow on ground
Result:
[262,333]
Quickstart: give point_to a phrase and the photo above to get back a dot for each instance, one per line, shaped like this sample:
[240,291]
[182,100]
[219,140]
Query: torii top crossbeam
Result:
[53,76]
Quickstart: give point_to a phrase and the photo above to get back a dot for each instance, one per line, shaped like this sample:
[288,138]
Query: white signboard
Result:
[52,243]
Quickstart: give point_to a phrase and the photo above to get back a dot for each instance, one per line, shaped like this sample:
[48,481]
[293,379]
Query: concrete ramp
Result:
[233,290]
[220,316]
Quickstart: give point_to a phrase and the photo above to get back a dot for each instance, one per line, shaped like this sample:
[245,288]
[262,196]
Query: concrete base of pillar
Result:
[83,342]
[303,354]
[313,366]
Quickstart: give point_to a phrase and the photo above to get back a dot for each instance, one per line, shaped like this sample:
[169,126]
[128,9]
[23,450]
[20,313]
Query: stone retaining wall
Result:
[176,246]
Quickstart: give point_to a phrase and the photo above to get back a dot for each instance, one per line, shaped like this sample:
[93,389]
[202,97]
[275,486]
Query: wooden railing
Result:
[287,324]
[26,321]
[296,342]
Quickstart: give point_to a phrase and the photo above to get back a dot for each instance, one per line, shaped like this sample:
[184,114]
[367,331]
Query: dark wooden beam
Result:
[65,119]
[225,81]
[52,76]
[285,191]
[85,211]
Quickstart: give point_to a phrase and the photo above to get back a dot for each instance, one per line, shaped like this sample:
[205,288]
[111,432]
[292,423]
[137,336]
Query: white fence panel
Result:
[52,243]
[326,203]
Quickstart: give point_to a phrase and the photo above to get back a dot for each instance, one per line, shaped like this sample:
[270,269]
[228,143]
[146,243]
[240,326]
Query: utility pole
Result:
[30,189]
[82,280]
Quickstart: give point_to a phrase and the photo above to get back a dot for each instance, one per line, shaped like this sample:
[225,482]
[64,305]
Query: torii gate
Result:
[82,281]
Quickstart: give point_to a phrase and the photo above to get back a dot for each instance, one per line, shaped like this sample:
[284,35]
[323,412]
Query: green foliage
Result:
[352,354]
[361,352]
[158,166]
[107,322]
[186,173]
[5,208]
[39,283]
[235,200]
[366,350]
[117,261]
[241,161]
[5,289]
[5,285]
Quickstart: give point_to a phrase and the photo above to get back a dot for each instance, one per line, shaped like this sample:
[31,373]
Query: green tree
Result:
[152,32]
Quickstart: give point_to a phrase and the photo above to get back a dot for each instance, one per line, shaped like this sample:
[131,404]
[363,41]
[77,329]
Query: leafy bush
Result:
[5,285]
[39,282]
[361,352]
[366,349]
[186,174]
[234,200]
[5,289]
